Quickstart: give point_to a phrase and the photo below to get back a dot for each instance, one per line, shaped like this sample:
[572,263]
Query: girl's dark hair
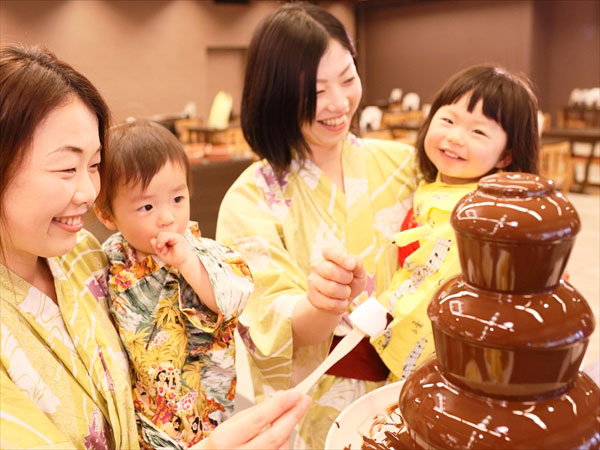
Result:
[507,99]
[135,152]
[280,83]
[33,82]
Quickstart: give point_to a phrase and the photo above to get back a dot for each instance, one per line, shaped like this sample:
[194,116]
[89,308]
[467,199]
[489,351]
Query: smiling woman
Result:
[317,186]
[52,129]
[61,173]
[64,378]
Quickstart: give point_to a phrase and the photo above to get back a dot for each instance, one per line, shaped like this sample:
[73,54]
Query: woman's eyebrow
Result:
[341,73]
[73,149]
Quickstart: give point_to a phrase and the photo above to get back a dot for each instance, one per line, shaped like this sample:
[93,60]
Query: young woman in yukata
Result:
[64,380]
[317,186]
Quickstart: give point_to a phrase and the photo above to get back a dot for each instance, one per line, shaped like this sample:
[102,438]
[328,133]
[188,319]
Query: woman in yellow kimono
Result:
[64,378]
[317,185]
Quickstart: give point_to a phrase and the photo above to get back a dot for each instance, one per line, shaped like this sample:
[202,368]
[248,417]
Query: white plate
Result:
[355,421]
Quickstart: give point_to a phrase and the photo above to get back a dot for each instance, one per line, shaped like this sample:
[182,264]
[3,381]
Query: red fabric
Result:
[362,363]
[408,223]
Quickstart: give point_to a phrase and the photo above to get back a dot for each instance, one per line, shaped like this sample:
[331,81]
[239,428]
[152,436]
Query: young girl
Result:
[482,120]
[174,295]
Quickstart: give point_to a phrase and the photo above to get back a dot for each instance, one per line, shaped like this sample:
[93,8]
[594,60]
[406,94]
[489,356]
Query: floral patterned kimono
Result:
[408,339]
[182,353]
[64,379]
[280,225]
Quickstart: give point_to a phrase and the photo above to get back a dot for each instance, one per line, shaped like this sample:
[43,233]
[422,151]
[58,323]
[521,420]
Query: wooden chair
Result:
[401,118]
[220,111]
[182,129]
[234,137]
[379,134]
[406,136]
[556,164]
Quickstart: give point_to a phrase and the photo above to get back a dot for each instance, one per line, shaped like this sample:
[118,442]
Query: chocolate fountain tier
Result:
[510,345]
[514,233]
[440,415]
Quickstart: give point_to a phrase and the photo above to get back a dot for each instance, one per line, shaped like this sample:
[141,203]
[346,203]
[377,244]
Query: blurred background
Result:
[181,63]
[152,57]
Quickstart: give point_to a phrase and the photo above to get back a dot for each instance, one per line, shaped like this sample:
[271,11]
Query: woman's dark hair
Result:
[280,83]
[507,99]
[135,152]
[33,82]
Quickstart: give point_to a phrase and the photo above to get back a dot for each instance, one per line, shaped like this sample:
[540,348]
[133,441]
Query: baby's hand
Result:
[172,248]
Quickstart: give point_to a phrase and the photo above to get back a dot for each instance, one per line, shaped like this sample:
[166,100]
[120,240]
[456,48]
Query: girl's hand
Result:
[265,426]
[335,281]
[172,248]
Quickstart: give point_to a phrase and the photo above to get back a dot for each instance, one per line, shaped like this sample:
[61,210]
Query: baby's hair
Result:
[136,151]
[507,99]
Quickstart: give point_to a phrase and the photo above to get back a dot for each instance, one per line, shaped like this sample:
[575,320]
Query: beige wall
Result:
[567,49]
[417,45]
[151,57]
[148,57]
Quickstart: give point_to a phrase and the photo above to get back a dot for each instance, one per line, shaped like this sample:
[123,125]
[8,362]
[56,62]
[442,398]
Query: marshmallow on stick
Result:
[369,319]
[411,235]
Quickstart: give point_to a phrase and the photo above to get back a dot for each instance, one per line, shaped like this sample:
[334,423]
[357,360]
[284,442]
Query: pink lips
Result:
[336,127]
[451,155]
[71,224]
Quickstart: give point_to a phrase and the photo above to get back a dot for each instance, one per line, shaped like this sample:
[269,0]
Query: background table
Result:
[586,135]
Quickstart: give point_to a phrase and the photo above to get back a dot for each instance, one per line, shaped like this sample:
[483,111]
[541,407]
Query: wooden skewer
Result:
[376,250]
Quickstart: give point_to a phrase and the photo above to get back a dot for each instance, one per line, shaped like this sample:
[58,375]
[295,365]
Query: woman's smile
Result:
[335,123]
[69,223]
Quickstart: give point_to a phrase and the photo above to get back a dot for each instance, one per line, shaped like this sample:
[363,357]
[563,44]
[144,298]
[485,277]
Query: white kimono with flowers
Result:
[280,225]
[64,377]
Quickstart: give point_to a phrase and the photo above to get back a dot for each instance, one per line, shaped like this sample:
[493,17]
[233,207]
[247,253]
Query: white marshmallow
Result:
[370,317]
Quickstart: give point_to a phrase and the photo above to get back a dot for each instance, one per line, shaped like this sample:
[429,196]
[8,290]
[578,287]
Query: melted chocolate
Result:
[496,343]
[516,208]
[441,415]
[514,233]
[509,334]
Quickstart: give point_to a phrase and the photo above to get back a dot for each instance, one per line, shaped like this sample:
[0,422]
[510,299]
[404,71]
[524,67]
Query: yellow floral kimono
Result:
[281,224]
[408,340]
[64,376]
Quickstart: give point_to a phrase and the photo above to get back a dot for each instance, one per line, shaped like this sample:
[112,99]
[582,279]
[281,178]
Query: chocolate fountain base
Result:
[438,414]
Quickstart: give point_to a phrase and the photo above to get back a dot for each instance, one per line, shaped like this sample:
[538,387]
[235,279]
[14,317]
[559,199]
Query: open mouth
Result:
[70,223]
[336,122]
[450,154]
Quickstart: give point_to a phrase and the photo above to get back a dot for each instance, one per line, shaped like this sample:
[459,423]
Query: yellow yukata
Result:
[64,375]
[408,339]
[280,225]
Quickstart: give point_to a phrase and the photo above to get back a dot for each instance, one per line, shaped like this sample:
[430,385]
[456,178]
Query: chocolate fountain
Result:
[509,334]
